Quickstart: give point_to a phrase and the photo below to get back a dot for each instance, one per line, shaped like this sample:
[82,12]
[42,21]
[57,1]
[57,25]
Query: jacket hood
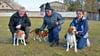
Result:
[53,12]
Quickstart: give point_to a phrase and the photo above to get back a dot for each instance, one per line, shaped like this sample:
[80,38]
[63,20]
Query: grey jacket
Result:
[50,21]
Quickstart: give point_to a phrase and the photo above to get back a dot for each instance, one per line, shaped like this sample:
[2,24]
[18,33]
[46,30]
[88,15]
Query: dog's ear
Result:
[70,30]
[21,32]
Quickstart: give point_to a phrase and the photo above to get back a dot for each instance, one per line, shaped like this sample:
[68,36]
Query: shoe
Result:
[57,43]
[27,42]
[54,43]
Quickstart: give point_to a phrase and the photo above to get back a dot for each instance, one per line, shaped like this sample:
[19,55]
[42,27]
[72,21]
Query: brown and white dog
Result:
[19,35]
[71,39]
[38,34]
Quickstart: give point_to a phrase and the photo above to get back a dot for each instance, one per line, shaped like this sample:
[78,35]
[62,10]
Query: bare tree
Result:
[91,5]
[72,5]
[87,5]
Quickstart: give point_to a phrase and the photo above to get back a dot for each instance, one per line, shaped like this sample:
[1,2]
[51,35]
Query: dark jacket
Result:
[81,26]
[50,21]
[16,20]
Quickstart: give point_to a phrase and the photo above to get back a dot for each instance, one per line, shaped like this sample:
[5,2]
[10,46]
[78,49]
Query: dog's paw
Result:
[45,40]
[25,44]
[33,38]
[67,50]
[75,51]
[17,44]
[13,44]
[40,40]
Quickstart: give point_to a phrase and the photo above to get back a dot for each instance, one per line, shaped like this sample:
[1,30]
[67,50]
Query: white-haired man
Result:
[19,20]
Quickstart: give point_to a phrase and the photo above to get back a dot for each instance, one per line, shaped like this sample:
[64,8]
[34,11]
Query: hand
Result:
[77,32]
[18,26]
[41,31]
[15,34]
[57,23]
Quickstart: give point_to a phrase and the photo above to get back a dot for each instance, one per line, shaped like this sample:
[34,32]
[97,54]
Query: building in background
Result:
[58,6]
[8,6]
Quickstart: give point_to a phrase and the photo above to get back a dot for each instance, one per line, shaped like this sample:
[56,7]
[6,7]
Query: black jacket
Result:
[16,20]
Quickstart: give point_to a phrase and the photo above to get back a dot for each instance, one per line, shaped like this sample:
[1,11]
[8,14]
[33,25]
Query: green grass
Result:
[36,48]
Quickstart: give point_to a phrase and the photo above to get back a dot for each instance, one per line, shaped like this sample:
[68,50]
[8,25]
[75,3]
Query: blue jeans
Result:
[81,43]
[54,34]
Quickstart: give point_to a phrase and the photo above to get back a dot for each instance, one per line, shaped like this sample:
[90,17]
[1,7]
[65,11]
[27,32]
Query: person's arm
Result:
[43,25]
[60,19]
[27,22]
[84,28]
[11,24]
[73,22]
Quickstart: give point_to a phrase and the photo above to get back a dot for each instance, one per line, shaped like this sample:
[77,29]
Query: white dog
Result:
[71,39]
[19,35]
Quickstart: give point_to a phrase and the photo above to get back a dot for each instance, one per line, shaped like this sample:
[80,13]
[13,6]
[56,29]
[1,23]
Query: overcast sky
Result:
[33,5]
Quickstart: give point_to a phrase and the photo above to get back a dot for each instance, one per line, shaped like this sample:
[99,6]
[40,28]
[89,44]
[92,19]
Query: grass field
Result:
[36,48]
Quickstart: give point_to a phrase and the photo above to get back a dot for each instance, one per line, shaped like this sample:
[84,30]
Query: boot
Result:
[57,43]
[26,40]
[53,44]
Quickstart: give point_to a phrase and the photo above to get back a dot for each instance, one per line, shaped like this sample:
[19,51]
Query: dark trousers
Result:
[26,30]
[54,34]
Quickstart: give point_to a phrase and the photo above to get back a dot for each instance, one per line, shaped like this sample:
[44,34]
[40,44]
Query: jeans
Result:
[54,34]
[81,43]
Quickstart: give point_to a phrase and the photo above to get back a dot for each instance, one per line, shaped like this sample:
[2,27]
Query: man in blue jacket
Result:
[81,24]
[53,22]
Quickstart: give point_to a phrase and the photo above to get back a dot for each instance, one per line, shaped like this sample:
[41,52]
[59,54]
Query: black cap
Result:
[47,6]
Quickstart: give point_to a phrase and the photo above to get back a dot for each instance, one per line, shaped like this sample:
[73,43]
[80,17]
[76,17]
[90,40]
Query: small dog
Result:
[19,35]
[71,39]
[38,34]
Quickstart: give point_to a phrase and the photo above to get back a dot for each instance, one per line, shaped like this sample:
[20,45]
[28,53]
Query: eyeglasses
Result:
[79,13]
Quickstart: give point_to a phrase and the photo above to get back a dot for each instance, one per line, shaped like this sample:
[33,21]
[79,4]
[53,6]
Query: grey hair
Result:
[21,8]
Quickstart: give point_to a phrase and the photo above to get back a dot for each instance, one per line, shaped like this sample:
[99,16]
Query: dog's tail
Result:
[32,31]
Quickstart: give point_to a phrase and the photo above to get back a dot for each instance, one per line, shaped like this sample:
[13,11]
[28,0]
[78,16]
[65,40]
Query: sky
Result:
[33,5]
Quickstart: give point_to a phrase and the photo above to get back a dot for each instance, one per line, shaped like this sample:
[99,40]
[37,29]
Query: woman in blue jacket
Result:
[81,24]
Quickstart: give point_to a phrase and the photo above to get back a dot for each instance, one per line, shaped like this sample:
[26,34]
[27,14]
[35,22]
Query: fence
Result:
[40,14]
[90,16]
[94,16]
